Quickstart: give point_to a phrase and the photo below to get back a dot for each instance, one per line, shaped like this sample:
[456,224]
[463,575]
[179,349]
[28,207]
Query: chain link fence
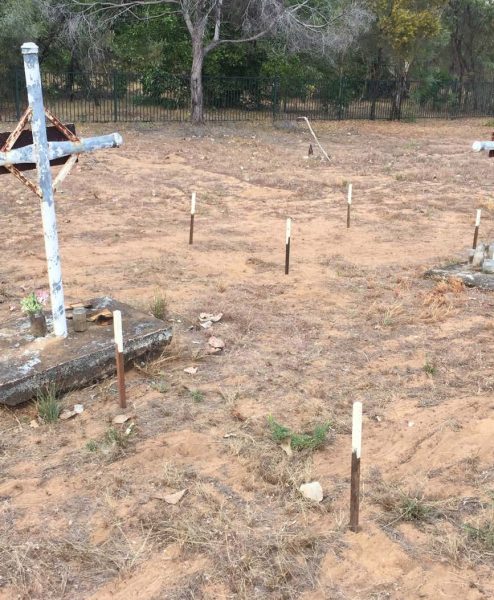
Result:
[155,97]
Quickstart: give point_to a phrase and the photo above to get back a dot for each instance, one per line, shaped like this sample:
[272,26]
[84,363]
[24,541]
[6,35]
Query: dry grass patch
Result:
[255,555]
[401,505]
[45,567]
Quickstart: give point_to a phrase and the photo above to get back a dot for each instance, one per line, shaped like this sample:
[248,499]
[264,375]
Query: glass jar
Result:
[79,318]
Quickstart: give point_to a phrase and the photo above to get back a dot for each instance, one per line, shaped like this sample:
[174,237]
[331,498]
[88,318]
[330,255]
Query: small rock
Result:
[67,414]
[78,408]
[312,491]
[216,342]
[34,424]
[191,370]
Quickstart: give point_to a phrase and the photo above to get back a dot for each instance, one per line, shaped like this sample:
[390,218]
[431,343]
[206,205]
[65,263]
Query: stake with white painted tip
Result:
[355,472]
[349,205]
[475,234]
[287,245]
[119,357]
[192,215]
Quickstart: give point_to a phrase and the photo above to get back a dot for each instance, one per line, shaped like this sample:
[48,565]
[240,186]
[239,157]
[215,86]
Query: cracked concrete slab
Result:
[28,364]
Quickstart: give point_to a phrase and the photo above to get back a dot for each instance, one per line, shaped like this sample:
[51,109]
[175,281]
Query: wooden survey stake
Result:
[192,214]
[287,245]
[355,473]
[119,357]
[349,205]
[476,233]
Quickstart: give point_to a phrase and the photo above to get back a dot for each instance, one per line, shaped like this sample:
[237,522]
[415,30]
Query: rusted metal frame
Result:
[13,137]
[61,127]
[23,179]
[67,168]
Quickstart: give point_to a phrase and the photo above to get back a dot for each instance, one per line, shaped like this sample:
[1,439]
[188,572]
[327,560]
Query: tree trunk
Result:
[196,88]
[374,84]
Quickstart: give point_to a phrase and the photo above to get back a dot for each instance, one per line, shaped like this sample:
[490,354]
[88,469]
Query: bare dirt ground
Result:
[82,514]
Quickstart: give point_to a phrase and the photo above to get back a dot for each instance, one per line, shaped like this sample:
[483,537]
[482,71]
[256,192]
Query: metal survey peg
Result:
[40,143]
[288,239]
[355,468]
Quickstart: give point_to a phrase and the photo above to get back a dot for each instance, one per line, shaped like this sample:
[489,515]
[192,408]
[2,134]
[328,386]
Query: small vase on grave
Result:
[38,324]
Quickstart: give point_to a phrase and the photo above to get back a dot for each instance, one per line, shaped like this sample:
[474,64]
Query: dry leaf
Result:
[101,316]
[191,370]
[204,317]
[120,419]
[216,342]
[171,498]
[286,446]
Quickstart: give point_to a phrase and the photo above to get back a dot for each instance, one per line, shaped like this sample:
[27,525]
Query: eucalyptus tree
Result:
[319,26]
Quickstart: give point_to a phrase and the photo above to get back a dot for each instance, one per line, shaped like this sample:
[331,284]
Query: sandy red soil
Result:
[354,320]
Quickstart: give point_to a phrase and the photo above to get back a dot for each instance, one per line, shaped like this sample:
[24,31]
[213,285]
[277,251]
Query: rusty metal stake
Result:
[192,214]
[475,234]
[355,472]
[119,357]
[287,245]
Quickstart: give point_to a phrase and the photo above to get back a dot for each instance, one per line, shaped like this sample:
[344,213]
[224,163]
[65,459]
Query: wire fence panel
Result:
[155,96]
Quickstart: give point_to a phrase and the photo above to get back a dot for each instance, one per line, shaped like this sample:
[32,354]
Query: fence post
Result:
[115,96]
[17,94]
[275,95]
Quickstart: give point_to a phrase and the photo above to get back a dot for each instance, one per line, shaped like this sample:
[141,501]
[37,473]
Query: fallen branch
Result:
[314,136]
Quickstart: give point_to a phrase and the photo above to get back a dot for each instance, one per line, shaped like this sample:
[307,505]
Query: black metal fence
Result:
[155,96]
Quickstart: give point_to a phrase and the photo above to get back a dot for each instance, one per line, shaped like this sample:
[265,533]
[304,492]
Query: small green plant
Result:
[403,505]
[415,509]
[34,302]
[300,441]
[48,404]
[197,396]
[158,306]
[116,437]
[429,368]
[92,446]
[482,536]
[160,386]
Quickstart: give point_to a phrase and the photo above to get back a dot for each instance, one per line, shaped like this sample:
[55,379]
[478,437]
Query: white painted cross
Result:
[41,152]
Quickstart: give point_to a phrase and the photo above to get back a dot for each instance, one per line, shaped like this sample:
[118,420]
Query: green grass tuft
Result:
[300,441]
[158,306]
[197,396]
[482,536]
[92,446]
[48,404]
[429,368]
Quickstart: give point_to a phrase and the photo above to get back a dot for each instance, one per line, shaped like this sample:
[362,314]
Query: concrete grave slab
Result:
[28,364]
[471,277]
